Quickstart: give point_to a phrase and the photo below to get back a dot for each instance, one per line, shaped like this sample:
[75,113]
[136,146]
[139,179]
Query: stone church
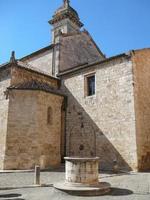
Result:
[68,99]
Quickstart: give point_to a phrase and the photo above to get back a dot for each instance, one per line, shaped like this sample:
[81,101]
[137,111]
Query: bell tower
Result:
[65,20]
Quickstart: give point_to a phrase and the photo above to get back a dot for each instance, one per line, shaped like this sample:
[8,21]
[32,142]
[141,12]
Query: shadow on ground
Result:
[12,195]
[120,192]
[113,192]
[15,199]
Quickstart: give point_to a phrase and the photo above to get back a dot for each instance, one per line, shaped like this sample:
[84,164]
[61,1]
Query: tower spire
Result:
[65,20]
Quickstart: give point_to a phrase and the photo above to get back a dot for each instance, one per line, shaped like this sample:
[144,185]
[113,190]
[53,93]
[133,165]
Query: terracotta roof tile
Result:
[35,85]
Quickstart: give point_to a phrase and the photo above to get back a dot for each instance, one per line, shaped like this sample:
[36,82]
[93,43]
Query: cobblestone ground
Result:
[135,186]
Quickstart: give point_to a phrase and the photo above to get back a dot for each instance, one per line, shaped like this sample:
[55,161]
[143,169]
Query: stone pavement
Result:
[134,186]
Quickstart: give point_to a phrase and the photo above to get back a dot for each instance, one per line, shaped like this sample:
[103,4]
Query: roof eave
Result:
[37,52]
[36,89]
[81,67]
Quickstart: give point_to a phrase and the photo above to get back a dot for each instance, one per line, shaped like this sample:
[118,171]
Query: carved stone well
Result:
[82,177]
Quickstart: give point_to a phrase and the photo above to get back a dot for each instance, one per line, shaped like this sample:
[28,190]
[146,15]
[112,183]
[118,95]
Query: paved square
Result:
[134,186]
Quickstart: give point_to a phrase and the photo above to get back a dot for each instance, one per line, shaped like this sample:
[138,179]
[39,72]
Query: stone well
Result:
[82,177]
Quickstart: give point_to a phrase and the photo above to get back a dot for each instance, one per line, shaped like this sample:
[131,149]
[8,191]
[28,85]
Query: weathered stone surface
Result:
[4,105]
[104,124]
[141,71]
[30,140]
[42,61]
[112,124]
[77,49]
[82,178]
[26,137]
[82,171]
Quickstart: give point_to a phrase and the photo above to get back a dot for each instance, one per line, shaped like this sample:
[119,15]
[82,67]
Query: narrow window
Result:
[90,82]
[49,115]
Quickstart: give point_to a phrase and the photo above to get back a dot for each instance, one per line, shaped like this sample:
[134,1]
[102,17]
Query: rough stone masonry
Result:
[69,99]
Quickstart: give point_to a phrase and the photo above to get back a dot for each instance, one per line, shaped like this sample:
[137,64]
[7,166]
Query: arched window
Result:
[49,116]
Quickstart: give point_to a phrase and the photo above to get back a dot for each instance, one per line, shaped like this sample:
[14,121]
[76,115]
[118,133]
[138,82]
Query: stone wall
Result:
[141,69]
[42,61]
[4,102]
[30,139]
[103,124]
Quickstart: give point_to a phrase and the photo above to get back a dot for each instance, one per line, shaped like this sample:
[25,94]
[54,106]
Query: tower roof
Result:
[66,11]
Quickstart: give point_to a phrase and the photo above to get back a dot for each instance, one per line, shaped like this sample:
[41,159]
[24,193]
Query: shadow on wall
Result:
[85,139]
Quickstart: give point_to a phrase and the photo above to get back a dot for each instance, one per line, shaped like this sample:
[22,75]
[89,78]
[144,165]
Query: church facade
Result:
[68,99]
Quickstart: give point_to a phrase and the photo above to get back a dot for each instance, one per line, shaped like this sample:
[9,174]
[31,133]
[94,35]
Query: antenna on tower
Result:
[67,2]
[12,58]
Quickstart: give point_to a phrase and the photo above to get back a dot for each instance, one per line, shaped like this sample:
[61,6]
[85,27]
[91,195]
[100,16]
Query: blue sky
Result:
[116,25]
